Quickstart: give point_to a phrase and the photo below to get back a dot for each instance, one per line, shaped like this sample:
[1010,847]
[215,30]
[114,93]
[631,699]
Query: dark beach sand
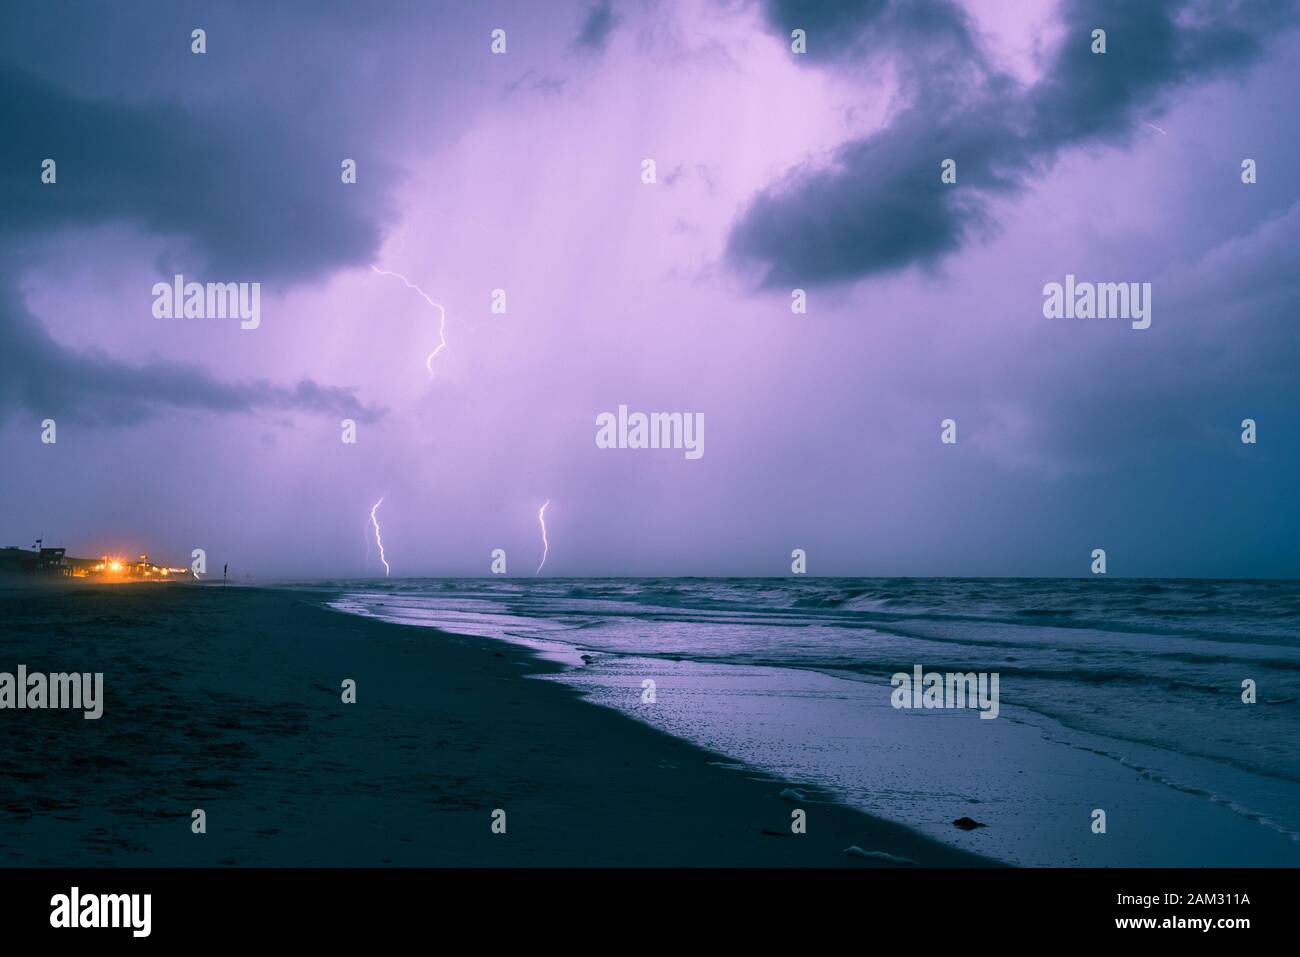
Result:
[229,700]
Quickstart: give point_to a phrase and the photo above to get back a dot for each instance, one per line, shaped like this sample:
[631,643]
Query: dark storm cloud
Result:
[245,193]
[879,205]
[257,199]
[38,374]
[596,27]
[1151,47]
[839,28]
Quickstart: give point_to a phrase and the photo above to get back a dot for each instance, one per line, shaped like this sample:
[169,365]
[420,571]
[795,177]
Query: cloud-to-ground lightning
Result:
[442,313]
[546,546]
[379,541]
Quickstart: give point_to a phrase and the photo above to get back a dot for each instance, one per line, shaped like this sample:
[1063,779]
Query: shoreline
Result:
[726,683]
[229,700]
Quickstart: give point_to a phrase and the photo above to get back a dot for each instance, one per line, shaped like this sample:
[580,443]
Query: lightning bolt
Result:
[442,313]
[546,546]
[379,541]
[1154,127]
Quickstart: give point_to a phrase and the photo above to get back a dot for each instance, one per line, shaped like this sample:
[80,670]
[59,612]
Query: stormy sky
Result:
[522,172]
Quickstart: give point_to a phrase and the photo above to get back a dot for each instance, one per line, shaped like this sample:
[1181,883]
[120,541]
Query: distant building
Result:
[46,562]
[55,563]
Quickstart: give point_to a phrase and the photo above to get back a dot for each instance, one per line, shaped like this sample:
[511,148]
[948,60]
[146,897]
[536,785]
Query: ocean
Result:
[1120,696]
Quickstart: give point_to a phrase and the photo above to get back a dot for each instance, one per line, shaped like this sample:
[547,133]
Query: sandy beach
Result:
[230,700]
